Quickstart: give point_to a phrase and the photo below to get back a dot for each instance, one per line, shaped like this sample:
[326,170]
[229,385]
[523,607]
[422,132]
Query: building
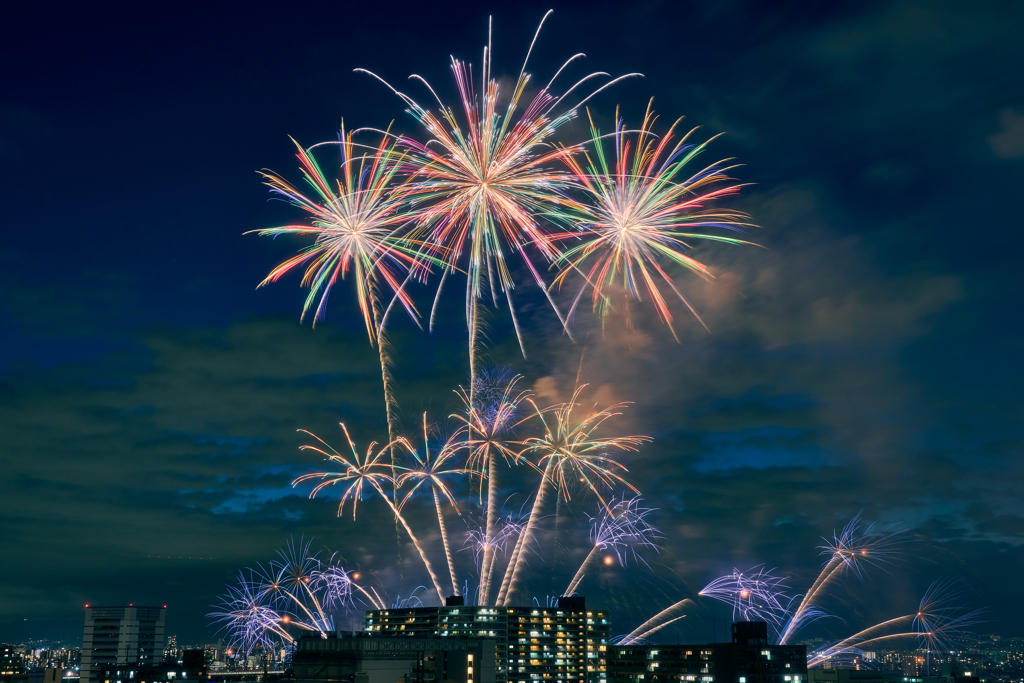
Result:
[46,675]
[950,673]
[10,661]
[171,649]
[121,636]
[357,658]
[747,659]
[567,643]
[191,668]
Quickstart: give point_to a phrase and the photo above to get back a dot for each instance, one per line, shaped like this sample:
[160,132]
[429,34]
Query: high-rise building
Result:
[747,659]
[567,643]
[131,636]
[171,649]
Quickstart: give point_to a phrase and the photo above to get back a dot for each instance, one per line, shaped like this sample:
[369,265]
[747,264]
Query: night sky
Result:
[868,359]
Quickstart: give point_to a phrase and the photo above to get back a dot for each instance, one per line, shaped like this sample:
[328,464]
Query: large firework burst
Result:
[642,210]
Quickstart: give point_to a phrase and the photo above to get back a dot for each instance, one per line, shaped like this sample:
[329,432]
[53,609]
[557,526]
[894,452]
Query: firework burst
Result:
[755,595]
[295,592]
[620,529]
[479,183]
[354,229]
[939,623]
[642,208]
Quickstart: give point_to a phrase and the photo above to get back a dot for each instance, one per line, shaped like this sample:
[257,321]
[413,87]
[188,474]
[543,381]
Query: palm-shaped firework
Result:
[479,183]
[570,453]
[641,211]
[359,473]
[489,416]
[434,471]
[354,227]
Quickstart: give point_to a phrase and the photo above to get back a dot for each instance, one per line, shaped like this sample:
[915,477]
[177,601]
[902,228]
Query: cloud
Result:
[1008,142]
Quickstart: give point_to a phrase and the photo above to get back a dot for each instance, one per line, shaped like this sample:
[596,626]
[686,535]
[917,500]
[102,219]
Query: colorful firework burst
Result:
[642,209]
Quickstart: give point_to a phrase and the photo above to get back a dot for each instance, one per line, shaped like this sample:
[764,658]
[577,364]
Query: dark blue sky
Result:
[869,358]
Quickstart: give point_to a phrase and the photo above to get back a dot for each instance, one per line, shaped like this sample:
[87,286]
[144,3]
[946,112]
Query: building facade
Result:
[567,643]
[358,658]
[121,636]
[747,659]
[10,660]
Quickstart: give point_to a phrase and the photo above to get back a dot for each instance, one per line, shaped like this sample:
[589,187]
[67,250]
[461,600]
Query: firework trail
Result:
[655,623]
[570,452]
[936,625]
[857,547]
[434,471]
[621,528]
[478,185]
[757,595]
[358,473]
[641,207]
[489,415]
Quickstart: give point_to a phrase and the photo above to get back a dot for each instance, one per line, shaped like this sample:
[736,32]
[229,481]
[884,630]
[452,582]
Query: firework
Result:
[359,473]
[655,623]
[761,594]
[620,529]
[642,208]
[570,452]
[296,591]
[354,228]
[434,471]
[857,547]
[490,413]
[288,584]
[755,595]
[479,184]
[247,619]
[503,530]
[939,622]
